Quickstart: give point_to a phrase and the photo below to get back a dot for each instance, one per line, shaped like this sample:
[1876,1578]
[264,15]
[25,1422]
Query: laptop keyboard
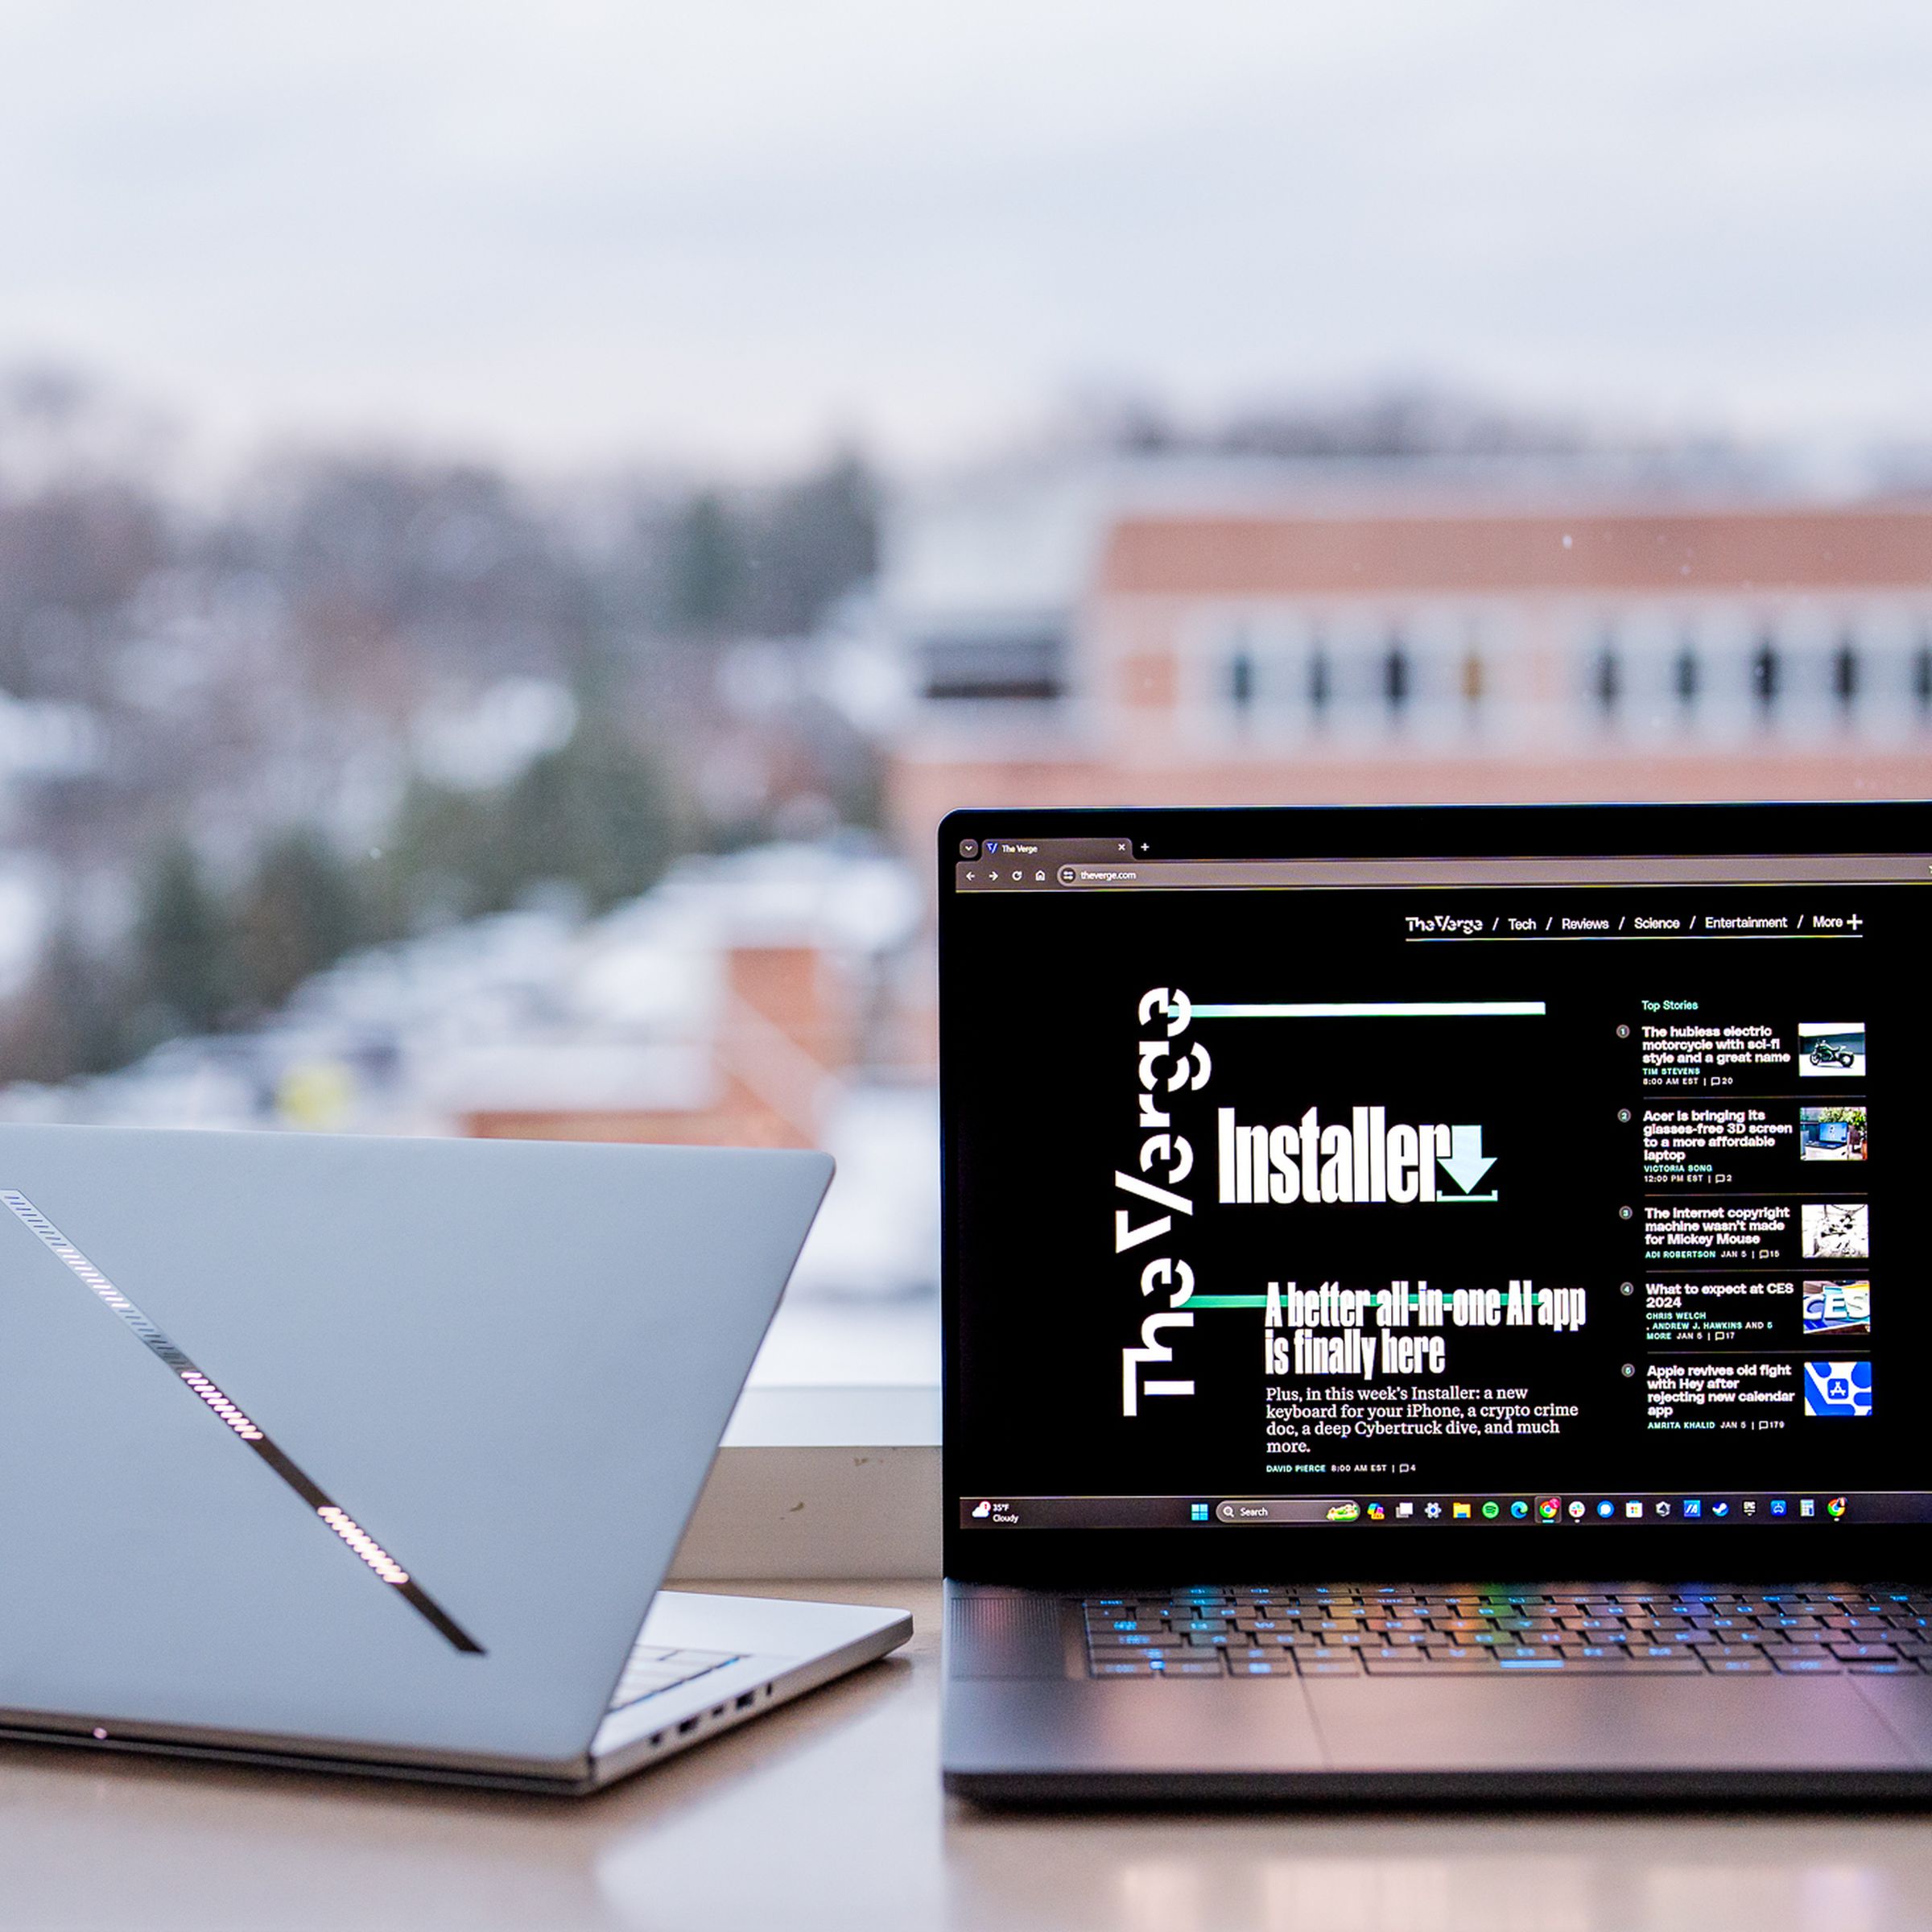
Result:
[1389,1631]
[652,1669]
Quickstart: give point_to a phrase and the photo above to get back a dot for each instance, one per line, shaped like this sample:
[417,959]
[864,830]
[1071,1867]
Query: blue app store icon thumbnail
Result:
[1838,1389]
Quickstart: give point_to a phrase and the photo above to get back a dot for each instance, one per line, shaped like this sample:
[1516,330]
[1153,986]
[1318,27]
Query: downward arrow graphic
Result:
[1466,1163]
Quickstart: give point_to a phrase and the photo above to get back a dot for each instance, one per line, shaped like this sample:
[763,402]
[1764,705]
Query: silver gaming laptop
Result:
[372,1455]
[1427,1315]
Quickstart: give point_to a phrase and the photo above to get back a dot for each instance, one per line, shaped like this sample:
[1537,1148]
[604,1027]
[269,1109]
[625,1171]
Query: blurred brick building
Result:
[1176,639]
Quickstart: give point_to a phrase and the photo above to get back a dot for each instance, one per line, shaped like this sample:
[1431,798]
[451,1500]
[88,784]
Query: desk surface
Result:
[828,1814]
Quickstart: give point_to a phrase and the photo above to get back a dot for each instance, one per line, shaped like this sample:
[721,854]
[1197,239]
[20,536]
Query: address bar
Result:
[1822,869]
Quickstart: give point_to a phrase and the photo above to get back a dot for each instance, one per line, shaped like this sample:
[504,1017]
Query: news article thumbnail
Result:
[1832,1050]
[1832,1133]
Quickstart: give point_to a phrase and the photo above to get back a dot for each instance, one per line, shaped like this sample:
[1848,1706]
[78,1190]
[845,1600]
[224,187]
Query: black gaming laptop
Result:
[1425,1316]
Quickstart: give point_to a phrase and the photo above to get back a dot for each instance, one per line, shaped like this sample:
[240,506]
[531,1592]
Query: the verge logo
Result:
[1364,1160]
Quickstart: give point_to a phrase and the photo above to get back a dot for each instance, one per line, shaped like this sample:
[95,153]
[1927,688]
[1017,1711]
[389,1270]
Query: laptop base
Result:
[1025,1723]
[778,1649]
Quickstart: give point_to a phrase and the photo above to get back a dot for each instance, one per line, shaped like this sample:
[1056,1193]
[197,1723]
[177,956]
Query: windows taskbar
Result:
[1527,1509]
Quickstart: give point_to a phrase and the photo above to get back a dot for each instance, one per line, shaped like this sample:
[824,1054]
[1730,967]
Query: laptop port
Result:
[746,1702]
[689,1725]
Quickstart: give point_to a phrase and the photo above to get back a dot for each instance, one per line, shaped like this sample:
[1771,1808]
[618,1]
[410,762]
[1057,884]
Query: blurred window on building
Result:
[1607,679]
[1240,680]
[1685,673]
[1321,680]
[1027,665]
[1844,671]
[1396,674]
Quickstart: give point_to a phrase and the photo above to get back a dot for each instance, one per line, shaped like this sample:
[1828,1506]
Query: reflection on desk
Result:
[828,1814]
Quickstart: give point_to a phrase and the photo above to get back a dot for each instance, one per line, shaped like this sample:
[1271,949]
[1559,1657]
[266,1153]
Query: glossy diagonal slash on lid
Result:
[215,1399]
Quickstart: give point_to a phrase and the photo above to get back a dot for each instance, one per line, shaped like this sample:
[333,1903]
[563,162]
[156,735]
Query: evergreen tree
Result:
[67,1020]
[184,946]
[820,537]
[596,813]
[300,912]
[707,566]
[433,866]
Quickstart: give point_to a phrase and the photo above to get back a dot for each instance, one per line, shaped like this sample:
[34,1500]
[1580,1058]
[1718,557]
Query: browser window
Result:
[1437,1190]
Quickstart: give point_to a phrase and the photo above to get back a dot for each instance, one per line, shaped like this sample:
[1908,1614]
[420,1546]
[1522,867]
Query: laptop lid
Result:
[381,1446]
[1435,1191]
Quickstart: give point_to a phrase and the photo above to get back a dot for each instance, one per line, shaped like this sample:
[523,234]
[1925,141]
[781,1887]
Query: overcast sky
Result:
[733,228]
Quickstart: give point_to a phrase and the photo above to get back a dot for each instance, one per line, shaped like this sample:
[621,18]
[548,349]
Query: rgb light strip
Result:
[212,1396]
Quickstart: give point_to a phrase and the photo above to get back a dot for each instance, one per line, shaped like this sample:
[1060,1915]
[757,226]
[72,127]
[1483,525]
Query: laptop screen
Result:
[1491,1173]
